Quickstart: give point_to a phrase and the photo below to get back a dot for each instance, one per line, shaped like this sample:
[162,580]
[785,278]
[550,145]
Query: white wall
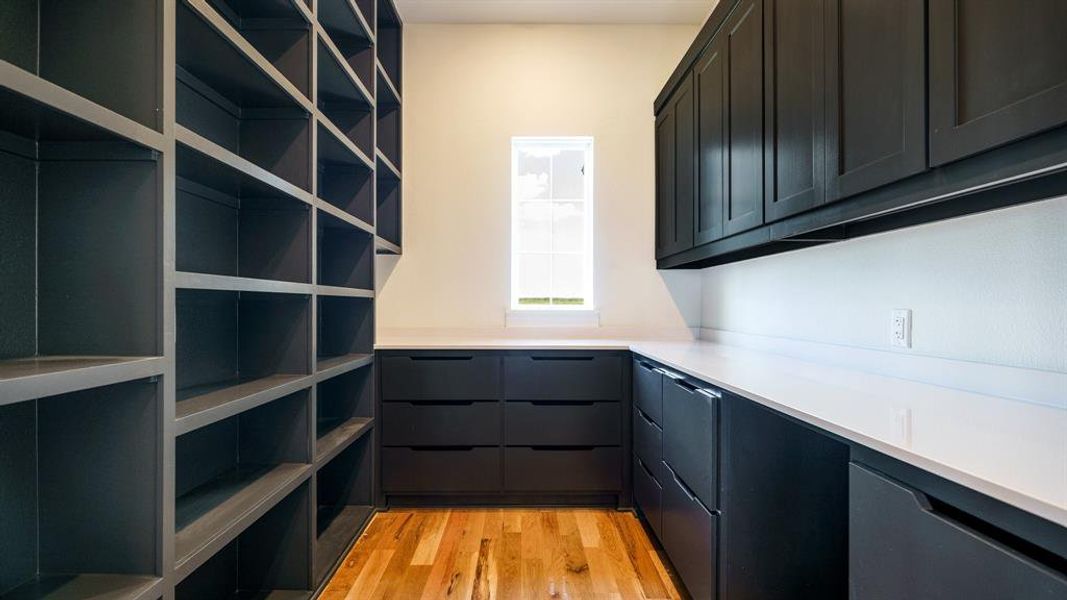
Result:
[467,90]
[989,288]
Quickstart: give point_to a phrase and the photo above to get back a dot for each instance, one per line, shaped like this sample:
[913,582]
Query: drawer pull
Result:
[561,358]
[645,468]
[647,419]
[685,488]
[440,358]
[441,448]
[563,448]
[442,402]
[685,385]
[714,394]
[648,366]
[561,403]
[672,375]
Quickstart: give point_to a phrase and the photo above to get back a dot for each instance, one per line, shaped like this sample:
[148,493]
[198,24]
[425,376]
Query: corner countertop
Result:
[1008,449]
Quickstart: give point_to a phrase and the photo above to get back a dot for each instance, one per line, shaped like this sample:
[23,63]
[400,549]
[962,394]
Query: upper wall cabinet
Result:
[743,41]
[877,94]
[998,72]
[795,110]
[675,176]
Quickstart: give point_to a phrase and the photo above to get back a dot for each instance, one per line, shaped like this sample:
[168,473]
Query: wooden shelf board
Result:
[212,515]
[343,292]
[342,525]
[384,246]
[338,149]
[227,283]
[390,87]
[345,17]
[391,168]
[203,405]
[35,377]
[336,365]
[349,75]
[98,586]
[346,218]
[337,435]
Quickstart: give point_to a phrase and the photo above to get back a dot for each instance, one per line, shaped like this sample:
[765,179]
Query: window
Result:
[552,223]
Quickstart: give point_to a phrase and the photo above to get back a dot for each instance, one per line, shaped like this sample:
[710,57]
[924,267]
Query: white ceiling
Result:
[555,11]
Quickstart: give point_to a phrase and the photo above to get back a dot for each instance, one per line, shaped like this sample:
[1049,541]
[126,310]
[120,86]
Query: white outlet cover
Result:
[900,328]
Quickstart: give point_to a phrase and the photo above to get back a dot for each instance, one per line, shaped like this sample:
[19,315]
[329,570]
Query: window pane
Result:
[568,182]
[534,227]
[534,278]
[532,180]
[567,275]
[569,227]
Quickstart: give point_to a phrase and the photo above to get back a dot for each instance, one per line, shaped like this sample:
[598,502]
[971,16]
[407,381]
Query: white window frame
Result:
[582,142]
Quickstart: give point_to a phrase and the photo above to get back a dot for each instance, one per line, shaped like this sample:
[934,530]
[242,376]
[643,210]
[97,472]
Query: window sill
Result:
[559,317]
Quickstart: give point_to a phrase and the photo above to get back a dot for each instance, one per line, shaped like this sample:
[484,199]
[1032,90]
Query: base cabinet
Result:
[689,535]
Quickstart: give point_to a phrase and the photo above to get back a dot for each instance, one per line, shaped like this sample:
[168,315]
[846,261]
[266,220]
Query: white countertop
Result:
[1007,449]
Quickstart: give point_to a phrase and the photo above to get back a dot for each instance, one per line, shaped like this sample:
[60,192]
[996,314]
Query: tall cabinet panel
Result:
[712,89]
[795,106]
[742,36]
[876,97]
[998,72]
[675,172]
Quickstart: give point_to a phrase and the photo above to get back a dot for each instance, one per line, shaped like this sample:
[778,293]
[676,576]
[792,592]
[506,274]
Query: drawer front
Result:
[440,377]
[563,469]
[690,436]
[648,496]
[580,377]
[563,424]
[419,470]
[648,444]
[648,390]
[441,424]
[690,538]
[902,546]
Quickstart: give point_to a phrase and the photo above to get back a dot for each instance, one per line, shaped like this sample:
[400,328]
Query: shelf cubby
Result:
[231,471]
[345,102]
[278,31]
[388,200]
[345,179]
[389,122]
[344,500]
[268,561]
[231,224]
[94,49]
[97,450]
[238,347]
[344,411]
[226,97]
[346,330]
[348,25]
[389,40]
[346,254]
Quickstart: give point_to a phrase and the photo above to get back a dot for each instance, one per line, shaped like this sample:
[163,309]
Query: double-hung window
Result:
[551,223]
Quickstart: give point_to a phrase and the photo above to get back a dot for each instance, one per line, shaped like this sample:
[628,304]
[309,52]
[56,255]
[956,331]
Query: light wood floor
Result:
[584,554]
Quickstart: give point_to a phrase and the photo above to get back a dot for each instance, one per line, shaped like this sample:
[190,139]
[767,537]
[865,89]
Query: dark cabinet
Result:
[563,424]
[690,437]
[563,377]
[795,91]
[690,537]
[675,172]
[648,496]
[876,100]
[648,389]
[713,175]
[904,544]
[742,43]
[998,72]
[563,470]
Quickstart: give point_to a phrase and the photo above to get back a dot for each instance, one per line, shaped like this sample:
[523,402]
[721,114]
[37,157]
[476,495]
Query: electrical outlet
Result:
[900,328]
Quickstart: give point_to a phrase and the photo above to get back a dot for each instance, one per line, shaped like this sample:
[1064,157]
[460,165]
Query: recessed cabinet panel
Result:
[648,390]
[998,72]
[713,176]
[563,377]
[690,537]
[743,40]
[676,172]
[690,438]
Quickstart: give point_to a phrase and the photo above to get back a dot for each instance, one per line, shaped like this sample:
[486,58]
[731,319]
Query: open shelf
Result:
[388,200]
[344,502]
[268,561]
[344,411]
[277,30]
[227,97]
[231,224]
[346,255]
[232,346]
[97,450]
[346,330]
[389,37]
[345,180]
[348,26]
[345,101]
[389,122]
[28,378]
[232,471]
[97,54]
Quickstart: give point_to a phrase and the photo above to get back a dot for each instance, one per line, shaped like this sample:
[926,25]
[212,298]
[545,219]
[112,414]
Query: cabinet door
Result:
[676,172]
[876,68]
[998,72]
[743,42]
[712,174]
[795,106]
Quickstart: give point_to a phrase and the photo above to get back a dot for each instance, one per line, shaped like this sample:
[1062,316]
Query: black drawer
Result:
[441,424]
[437,470]
[563,469]
[690,437]
[648,390]
[904,545]
[445,376]
[648,496]
[648,444]
[579,377]
[563,424]
[690,538]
